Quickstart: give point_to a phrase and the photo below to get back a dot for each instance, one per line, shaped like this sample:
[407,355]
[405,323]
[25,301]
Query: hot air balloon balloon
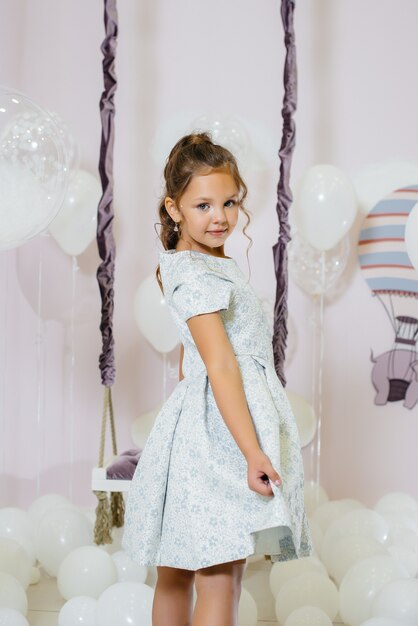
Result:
[392,278]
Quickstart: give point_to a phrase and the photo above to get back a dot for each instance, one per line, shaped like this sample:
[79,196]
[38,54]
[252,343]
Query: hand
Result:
[260,470]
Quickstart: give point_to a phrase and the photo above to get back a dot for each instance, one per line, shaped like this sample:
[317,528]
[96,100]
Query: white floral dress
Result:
[189,505]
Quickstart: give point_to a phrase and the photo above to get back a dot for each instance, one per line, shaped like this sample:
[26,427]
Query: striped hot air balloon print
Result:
[382,252]
[393,279]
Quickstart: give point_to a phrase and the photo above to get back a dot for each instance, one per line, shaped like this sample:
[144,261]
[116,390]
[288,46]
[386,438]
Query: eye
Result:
[201,206]
[233,202]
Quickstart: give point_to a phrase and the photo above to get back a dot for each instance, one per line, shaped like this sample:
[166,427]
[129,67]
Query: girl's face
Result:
[208,210]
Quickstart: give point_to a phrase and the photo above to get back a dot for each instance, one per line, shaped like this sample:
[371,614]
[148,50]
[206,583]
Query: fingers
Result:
[274,476]
[261,486]
[262,475]
[263,489]
[272,473]
[268,489]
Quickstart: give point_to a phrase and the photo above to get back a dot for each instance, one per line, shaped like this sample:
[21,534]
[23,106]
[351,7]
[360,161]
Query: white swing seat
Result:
[100,482]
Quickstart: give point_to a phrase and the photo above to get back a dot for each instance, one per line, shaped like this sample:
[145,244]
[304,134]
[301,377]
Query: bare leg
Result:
[218,593]
[173,597]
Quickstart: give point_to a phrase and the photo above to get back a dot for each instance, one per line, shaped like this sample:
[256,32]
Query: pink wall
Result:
[176,61]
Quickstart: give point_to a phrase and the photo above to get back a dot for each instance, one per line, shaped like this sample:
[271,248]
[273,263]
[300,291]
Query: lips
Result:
[217,232]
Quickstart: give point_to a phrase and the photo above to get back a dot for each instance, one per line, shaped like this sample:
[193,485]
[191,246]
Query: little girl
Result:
[221,475]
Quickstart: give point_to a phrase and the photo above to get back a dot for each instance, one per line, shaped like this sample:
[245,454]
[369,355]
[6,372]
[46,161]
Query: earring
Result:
[176,228]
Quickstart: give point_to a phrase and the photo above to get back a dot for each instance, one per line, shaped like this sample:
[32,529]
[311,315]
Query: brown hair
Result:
[192,154]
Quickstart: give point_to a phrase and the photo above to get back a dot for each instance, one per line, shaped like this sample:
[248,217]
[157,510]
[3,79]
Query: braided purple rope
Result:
[284,194]
[105,240]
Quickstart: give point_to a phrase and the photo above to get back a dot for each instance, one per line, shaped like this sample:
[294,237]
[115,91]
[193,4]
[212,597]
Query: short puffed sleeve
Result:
[197,291]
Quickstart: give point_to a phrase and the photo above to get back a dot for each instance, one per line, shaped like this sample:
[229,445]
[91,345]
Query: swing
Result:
[108,514]
[114,474]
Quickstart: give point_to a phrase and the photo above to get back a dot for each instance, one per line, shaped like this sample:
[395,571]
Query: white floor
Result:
[45,601]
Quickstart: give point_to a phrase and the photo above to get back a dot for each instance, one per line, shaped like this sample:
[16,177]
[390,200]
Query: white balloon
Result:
[86,571]
[247,609]
[310,588]
[325,206]
[125,603]
[68,139]
[413,516]
[71,299]
[90,513]
[227,131]
[376,181]
[16,524]
[80,610]
[61,531]
[15,561]
[317,271]
[348,550]
[45,503]
[74,228]
[12,594]
[167,134]
[403,537]
[24,209]
[258,158]
[308,616]
[408,559]
[398,600]
[361,584]
[128,570]
[315,495]
[400,521]
[328,512]
[402,544]
[33,168]
[396,502]
[292,339]
[282,572]
[142,426]
[305,417]
[11,617]
[357,522]
[317,536]
[153,317]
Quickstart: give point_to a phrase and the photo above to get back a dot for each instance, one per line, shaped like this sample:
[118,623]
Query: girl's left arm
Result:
[225,380]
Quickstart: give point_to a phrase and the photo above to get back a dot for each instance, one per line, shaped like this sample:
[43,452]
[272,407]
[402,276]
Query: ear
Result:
[171,208]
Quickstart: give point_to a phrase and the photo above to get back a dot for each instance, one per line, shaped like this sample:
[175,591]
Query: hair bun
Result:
[193,139]
[199,138]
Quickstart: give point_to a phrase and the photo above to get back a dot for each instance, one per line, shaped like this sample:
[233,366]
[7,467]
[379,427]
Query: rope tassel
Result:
[103,525]
[117,506]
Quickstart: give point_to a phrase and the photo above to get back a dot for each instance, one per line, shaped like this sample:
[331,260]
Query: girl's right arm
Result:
[224,375]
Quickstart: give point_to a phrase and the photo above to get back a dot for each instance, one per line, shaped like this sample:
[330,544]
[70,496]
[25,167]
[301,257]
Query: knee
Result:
[226,577]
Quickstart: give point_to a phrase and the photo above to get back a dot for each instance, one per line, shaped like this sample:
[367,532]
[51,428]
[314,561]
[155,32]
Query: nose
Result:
[219,215]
